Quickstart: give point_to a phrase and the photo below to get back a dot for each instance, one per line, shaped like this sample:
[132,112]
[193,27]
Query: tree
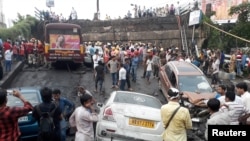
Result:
[242,10]
[23,25]
[240,28]
[19,19]
[243,25]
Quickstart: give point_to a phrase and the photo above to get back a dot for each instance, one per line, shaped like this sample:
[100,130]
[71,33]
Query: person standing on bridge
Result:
[73,14]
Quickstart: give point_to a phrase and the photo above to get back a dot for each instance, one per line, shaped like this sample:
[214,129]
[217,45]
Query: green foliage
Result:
[214,39]
[242,10]
[241,29]
[22,26]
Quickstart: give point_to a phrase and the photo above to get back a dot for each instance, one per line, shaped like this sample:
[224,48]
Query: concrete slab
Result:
[7,79]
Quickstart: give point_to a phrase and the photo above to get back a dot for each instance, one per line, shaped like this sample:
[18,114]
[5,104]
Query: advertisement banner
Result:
[64,42]
[50,3]
[194,17]
[221,7]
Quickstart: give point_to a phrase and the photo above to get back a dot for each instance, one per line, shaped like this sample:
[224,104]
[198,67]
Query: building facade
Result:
[221,7]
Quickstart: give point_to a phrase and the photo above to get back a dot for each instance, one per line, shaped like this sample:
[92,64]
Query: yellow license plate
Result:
[141,122]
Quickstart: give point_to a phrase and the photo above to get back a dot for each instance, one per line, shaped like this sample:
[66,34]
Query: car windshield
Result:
[197,84]
[138,99]
[32,97]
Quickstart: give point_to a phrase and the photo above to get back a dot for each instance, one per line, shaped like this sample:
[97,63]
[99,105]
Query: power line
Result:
[243,39]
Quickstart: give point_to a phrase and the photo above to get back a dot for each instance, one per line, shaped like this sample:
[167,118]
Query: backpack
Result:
[46,123]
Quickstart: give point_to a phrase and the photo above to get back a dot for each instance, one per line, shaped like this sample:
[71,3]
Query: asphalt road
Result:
[67,81]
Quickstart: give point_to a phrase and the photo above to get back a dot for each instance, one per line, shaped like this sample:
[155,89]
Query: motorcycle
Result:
[199,115]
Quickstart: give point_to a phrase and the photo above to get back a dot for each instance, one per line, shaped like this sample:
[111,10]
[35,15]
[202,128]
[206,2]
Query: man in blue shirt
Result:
[67,107]
[92,53]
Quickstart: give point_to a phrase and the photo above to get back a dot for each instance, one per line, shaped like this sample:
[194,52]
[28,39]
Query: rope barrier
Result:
[227,32]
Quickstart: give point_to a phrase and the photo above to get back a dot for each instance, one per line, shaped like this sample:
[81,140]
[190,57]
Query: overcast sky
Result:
[85,8]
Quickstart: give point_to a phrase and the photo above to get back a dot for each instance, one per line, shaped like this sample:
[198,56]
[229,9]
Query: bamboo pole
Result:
[227,32]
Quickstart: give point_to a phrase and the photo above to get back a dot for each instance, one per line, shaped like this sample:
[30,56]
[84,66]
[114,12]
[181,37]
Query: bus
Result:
[63,43]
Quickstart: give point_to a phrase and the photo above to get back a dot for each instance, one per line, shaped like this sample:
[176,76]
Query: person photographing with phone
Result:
[9,130]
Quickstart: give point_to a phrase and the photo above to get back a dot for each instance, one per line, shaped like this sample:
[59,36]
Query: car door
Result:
[164,79]
[169,74]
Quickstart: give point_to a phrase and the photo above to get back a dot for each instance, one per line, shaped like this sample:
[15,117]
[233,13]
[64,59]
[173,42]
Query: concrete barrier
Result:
[7,79]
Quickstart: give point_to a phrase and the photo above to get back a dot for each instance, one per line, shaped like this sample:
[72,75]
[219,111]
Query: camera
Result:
[9,92]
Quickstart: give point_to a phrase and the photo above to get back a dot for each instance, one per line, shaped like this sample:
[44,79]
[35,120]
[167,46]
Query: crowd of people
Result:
[140,12]
[143,12]
[13,51]
[60,109]
[152,57]
[51,16]
[230,106]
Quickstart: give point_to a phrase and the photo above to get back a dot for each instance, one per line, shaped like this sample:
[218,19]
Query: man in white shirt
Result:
[241,90]
[234,109]
[149,64]
[216,69]
[122,77]
[8,59]
[216,117]
[96,57]
[73,14]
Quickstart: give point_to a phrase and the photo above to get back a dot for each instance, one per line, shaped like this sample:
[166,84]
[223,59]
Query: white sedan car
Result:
[129,116]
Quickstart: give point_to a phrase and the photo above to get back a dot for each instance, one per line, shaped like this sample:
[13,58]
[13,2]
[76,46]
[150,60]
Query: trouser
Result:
[122,85]
[63,126]
[238,65]
[134,72]
[215,78]
[144,74]
[100,81]
[7,65]
[156,70]
[128,81]
[114,78]
[92,61]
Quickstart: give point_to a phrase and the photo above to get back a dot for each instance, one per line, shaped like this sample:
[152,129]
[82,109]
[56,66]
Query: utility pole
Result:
[97,4]
[97,14]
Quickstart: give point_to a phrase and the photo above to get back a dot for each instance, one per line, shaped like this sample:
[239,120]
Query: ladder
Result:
[184,39]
